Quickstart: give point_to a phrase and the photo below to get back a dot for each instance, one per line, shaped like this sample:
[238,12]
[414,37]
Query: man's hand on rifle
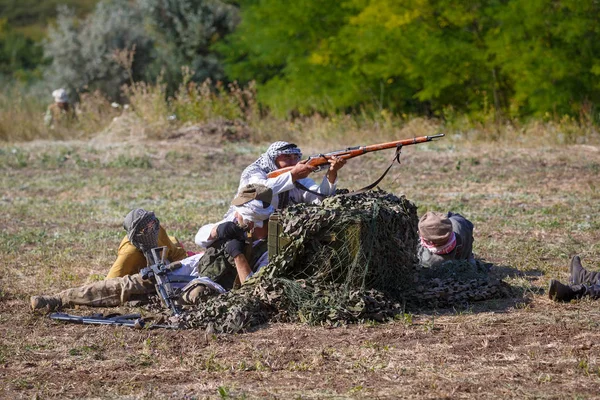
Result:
[335,164]
[174,265]
[301,170]
[229,230]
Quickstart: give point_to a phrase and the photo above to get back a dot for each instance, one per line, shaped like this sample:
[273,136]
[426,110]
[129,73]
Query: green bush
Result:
[184,32]
[85,53]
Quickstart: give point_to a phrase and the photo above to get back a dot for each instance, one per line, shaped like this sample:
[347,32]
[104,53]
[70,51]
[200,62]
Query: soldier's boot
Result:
[593,291]
[45,303]
[559,292]
[108,293]
[579,275]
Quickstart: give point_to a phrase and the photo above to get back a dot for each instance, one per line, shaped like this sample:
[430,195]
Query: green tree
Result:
[414,55]
[551,52]
[183,32]
[274,45]
[19,56]
[83,51]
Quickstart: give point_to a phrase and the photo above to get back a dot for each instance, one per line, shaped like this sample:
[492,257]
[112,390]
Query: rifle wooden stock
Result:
[351,152]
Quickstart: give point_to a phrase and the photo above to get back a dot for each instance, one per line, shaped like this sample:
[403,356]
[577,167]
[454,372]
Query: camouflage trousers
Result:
[117,291]
[107,293]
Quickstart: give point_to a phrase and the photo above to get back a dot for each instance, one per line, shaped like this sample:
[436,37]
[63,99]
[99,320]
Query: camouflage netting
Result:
[454,283]
[351,259]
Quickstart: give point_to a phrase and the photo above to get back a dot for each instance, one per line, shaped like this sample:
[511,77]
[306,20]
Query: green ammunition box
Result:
[277,241]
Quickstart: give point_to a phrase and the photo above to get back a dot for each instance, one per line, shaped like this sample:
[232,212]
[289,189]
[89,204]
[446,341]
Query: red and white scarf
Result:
[445,249]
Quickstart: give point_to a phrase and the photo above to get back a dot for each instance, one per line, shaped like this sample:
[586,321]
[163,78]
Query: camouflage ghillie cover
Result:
[350,259]
[454,283]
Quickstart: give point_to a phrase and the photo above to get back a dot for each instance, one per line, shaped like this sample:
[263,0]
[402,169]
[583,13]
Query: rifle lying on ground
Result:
[158,271]
[321,160]
[129,320]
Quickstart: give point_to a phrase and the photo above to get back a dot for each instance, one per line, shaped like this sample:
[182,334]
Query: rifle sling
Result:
[362,190]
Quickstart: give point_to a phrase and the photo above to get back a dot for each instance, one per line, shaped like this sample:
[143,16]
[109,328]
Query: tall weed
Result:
[202,102]
[154,115]
[21,116]
[149,103]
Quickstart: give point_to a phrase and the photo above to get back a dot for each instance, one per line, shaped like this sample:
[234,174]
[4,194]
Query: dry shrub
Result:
[203,102]
[533,132]
[122,128]
[22,117]
[94,113]
[155,116]
[149,102]
[346,130]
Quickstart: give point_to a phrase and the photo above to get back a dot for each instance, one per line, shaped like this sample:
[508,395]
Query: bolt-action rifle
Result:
[321,160]
[130,320]
[158,271]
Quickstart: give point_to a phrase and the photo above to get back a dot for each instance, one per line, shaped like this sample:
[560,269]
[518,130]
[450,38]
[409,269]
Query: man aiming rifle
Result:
[281,169]
[320,160]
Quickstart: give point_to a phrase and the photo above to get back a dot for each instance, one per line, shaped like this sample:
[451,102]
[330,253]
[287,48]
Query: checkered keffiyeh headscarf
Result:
[266,162]
[142,229]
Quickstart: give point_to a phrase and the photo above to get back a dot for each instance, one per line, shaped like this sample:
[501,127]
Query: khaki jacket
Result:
[130,260]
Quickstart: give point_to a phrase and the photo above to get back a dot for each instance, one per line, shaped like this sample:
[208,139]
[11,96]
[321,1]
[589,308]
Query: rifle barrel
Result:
[436,136]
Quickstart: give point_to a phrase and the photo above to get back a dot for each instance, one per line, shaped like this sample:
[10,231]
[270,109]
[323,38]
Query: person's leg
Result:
[107,293]
[593,291]
[579,275]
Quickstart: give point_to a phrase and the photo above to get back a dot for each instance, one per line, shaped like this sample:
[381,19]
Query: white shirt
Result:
[283,183]
[202,236]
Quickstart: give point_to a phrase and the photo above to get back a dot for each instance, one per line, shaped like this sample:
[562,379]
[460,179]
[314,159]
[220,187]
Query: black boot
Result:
[580,275]
[559,292]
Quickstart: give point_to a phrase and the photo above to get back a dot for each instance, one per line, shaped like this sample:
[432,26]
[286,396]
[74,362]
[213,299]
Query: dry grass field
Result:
[533,207]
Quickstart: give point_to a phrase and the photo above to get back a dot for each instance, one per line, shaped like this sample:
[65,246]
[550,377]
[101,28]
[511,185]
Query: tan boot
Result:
[45,303]
[195,293]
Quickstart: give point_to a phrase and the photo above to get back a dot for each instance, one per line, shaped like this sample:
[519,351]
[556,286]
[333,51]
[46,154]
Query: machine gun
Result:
[159,272]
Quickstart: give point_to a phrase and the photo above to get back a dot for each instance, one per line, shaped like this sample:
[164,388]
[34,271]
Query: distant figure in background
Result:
[582,283]
[60,112]
[444,237]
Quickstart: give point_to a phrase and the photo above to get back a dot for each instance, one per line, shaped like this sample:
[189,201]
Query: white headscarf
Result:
[60,96]
[255,212]
[266,162]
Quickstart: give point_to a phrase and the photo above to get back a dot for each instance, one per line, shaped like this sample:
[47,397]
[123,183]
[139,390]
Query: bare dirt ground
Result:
[533,207]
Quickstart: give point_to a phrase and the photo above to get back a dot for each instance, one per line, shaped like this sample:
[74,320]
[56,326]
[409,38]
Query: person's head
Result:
[142,229]
[284,154]
[60,96]
[252,206]
[435,230]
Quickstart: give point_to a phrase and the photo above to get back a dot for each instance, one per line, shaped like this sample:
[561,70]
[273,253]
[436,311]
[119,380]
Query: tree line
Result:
[509,58]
